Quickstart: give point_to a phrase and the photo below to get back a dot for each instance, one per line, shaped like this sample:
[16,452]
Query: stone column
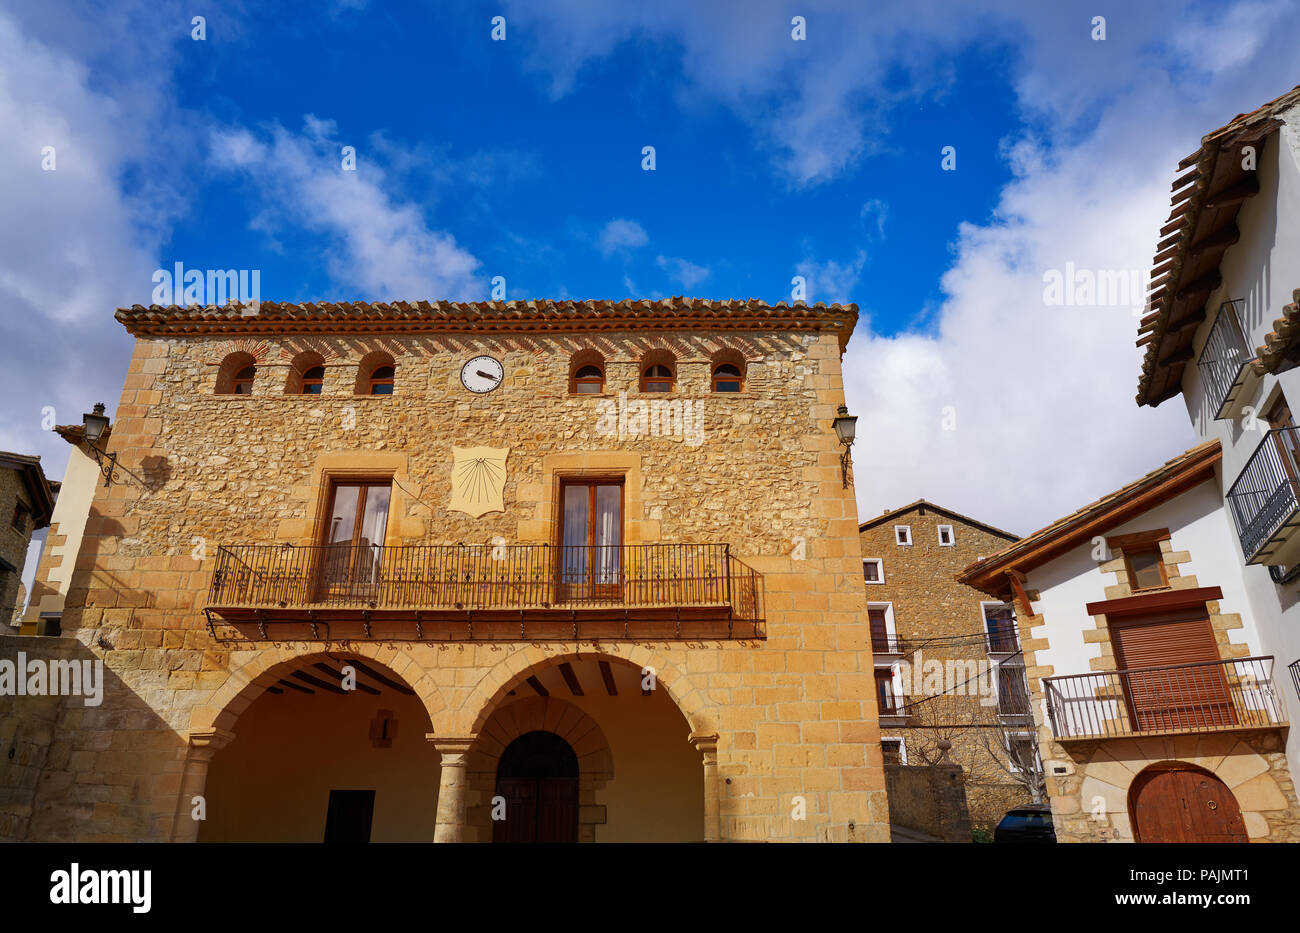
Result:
[194,780]
[706,743]
[453,787]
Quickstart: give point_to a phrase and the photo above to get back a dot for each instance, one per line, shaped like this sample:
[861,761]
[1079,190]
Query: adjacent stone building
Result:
[26,501]
[543,570]
[949,672]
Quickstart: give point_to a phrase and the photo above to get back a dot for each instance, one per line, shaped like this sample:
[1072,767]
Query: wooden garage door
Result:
[1188,690]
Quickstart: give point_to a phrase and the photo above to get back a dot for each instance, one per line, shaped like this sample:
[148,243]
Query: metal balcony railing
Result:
[886,643]
[895,706]
[509,577]
[1294,668]
[1223,360]
[1206,697]
[1263,499]
[1002,639]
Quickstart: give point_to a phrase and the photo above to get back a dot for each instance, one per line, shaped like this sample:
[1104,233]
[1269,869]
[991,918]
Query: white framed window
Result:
[894,748]
[1000,628]
[1022,749]
[873,570]
[884,636]
[903,535]
[946,538]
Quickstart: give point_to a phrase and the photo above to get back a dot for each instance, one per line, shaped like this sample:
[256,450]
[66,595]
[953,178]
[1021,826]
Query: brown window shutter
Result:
[1172,697]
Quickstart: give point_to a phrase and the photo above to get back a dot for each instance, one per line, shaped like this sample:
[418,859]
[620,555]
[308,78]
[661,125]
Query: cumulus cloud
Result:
[621,235]
[379,245]
[687,274]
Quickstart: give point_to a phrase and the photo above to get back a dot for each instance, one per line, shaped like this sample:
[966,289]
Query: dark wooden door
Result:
[349,816]
[1184,806]
[538,779]
[1170,675]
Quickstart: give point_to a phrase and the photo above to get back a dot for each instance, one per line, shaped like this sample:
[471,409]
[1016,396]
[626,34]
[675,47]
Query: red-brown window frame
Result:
[671,378]
[577,379]
[738,378]
[591,482]
[239,379]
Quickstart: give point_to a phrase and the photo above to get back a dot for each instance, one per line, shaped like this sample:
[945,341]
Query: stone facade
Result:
[782,725]
[25,503]
[939,619]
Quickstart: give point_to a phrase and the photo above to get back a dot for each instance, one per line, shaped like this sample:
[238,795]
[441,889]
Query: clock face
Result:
[482,374]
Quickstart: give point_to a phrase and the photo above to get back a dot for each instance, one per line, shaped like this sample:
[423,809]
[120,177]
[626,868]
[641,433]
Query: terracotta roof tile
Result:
[1286,330]
[677,313]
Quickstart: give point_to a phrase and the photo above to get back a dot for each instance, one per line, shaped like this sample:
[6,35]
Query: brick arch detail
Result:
[249,681]
[259,350]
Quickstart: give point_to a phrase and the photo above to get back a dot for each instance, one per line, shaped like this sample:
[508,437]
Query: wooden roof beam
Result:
[1247,188]
[1205,284]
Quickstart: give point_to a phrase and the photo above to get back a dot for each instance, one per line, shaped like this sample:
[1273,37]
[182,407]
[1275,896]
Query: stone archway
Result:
[285,707]
[542,714]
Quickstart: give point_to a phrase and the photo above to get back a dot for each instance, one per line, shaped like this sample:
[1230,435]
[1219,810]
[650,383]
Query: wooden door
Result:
[1169,672]
[879,629]
[591,541]
[538,779]
[351,565]
[1184,806]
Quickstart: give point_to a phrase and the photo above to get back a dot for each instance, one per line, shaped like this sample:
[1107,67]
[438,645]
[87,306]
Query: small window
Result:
[313,381]
[726,378]
[873,570]
[903,535]
[1000,626]
[589,380]
[1023,752]
[945,536]
[381,381]
[242,384]
[894,751]
[657,378]
[886,700]
[1146,568]
[19,520]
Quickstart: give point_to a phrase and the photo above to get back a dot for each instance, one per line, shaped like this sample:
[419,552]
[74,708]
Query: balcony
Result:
[1214,696]
[1224,362]
[887,643]
[1264,500]
[894,710]
[458,592]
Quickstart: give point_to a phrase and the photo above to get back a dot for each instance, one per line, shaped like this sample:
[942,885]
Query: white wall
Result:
[1264,269]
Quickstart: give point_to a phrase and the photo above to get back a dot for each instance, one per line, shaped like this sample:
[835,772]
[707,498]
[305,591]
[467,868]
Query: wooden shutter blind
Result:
[1183,698]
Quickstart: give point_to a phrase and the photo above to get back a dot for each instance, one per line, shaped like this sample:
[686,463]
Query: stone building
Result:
[925,623]
[26,501]
[81,479]
[1159,715]
[557,570]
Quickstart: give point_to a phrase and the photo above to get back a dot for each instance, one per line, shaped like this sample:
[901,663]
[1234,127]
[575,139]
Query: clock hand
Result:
[479,372]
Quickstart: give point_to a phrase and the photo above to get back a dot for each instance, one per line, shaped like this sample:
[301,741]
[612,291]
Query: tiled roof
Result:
[1188,469]
[38,487]
[487,317]
[894,513]
[1286,330]
[1201,227]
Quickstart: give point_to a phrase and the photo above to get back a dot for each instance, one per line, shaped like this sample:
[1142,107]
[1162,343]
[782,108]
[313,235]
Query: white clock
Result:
[482,374]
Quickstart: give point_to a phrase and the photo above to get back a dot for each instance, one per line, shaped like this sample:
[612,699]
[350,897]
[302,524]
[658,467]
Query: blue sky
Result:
[522,158]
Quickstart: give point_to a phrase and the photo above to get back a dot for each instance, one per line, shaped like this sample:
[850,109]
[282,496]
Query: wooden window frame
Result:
[588,585]
[576,380]
[646,378]
[372,380]
[738,379]
[333,485]
[306,380]
[880,571]
[238,379]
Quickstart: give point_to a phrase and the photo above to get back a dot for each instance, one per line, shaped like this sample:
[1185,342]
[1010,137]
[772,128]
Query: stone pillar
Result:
[453,787]
[194,780]
[706,743]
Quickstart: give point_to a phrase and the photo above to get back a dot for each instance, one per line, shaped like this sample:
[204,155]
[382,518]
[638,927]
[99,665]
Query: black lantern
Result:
[95,424]
[845,429]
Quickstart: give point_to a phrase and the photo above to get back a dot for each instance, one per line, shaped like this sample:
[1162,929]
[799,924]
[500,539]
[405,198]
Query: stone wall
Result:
[13,541]
[793,712]
[929,799]
[941,620]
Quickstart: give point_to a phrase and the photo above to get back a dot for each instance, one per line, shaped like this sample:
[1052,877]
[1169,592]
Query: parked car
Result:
[1031,823]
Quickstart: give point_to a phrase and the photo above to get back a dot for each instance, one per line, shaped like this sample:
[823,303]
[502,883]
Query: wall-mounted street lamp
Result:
[845,428]
[96,423]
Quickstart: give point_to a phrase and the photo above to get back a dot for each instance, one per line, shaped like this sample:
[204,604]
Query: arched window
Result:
[726,378]
[657,378]
[381,381]
[236,375]
[589,380]
[242,384]
[376,374]
[306,376]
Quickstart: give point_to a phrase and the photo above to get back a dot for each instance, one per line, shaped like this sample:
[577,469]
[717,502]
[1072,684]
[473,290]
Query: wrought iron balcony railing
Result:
[886,643]
[1223,360]
[895,707]
[461,578]
[1206,697]
[1263,500]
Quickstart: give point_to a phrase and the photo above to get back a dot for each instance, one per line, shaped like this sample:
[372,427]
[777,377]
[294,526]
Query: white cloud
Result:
[619,235]
[831,281]
[688,274]
[380,246]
